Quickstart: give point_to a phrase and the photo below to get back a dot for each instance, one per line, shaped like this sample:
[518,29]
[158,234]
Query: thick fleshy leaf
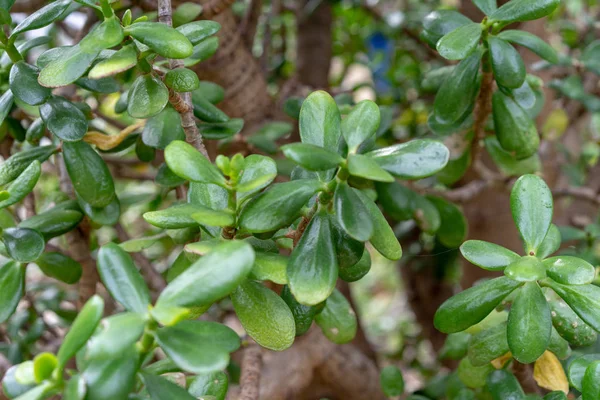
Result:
[205,110]
[221,271]
[531,207]
[59,266]
[578,367]
[503,386]
[459,43]
[64,119]
[591,381]
[551,242]
[355,272]
[202,51]
[472,376]
[208,216]
[507,163]
[558,346]
[161,388]
[182,80]
[212,384]
[70,65]
[187,162]
[89,174]
[392,381]
[264,316]
[412,160]
[116,334]
[313,269]
[456,97]
[320,121]
[270,266]
[122,279]
[42,17]
[366,167]
[515,130]
[360,124]
[453,227]
[175,217]
[383,239]
[532,42]
[104,36]
[198,346]
[24,84]
[277,207]
[583,299]
[81,330]
[120,61]
[337,320]
[351,213]
[6,102]
[163,128]
[54,222]
[524,10]
[526,269]
[108,215]
[75,388]
[147,97]
[441,22]
[591,57]
[23,185]
[303,315]
[472,305]
[488,345]
[529,324]
[11,288]
[162,39]
[570,270]
[486,6]
[23,244]
[258,172]
[197,31]
[569,325]
[507,64]
[312,157]
[111,378]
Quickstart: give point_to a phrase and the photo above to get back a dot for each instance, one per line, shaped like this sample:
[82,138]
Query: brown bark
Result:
[251,370]
[524,374]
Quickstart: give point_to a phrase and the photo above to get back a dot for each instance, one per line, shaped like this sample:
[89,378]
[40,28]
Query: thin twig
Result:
[483,108]
[582,193]
[251,371]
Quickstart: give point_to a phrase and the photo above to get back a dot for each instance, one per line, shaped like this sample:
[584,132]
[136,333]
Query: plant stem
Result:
[251,371]
[10,48]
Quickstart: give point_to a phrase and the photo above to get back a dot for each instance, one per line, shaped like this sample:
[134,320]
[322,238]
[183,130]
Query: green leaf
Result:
[472,376]
[24,84]
[54,222]
[508,163]
[175,217]
[383,239]
[591,381]
[162,39]
[526,269]
[23,185]
[320,121]
[221,130]
[270,266]
[558,345]
[578,367]
[209,90]
[147,97]
[570,270]
[312,157]
[303,315]
[277,207]
[487,345]
[64,119]
[337,320]
[264,316]
[81,330]
[39,392]
[583,299]
[486,6]
[453,228]
[198,346]
[116,334]
[366,167]
[12,276]
[108,215]
[532,42]
[182,80]
[197,31]
[210,217]
[348,250]
[42,17]
[360,124]
[313,269]
[351,213]
[529,324]
[70,65]
[441,22]
[426,215]
[355,272]
[212,384]
[556,395]
[59,266]
[163,128]
[472,305]
[412,160]
[187,162]
[75,388]
[259,171]
[89,174]
[221,271]
[102,85]
[459,43]
[6,102]
[590,58]
[111,378]
[202,51]
[569,325]
[531,207]
[551,242]
[185,13]
[104,36]
[507,64]
[122,60]
[122,279]
[392,381]
[503,386]
[161,388]
[12,386]
[524,10]
[23,244]
[456,98]
[515,130]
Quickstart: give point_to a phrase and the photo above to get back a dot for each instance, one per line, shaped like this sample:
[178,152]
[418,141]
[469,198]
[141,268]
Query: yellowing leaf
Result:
[107,142]
[499,362]
[549,373]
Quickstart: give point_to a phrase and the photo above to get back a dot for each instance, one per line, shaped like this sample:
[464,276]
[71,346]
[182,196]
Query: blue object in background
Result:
[380,50]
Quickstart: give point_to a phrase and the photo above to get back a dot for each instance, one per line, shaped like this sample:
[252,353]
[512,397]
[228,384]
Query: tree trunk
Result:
[314,45]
